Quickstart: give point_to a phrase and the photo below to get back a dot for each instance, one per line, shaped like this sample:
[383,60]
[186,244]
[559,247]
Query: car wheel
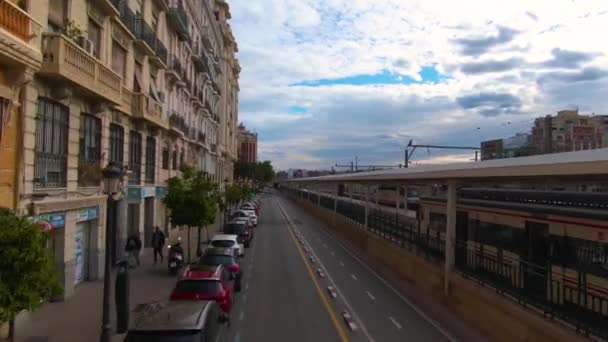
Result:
[247,245]
[237,285]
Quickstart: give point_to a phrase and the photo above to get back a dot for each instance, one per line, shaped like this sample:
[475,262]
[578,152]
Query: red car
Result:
[206,282]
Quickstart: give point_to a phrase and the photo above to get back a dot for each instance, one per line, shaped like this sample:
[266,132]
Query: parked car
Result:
[228,241]
[224,256]
[251,206]
[242,229]
[206,282]
[183,321]
[253,219]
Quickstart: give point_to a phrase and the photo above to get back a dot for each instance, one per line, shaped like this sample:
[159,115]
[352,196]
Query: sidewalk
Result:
[79,318]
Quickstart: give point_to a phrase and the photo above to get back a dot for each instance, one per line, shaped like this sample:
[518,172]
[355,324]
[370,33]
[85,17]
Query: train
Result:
[549,245]
[383,195]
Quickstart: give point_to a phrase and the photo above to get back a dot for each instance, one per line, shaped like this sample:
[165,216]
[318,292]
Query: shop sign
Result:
[87,214]
[149,191]
[161,192]
[55,220]
[134,194]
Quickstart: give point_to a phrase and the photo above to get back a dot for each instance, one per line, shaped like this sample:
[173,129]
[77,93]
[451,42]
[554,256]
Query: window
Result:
[181,160]
[138,81]
[135,158]
[89,162]
[150,159]
[51,149]
[119,59]
[94,34]
[165,158]
[58,10]
[117,138]
[174,160]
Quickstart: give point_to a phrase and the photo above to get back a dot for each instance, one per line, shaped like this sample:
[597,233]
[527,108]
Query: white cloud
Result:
[282,42]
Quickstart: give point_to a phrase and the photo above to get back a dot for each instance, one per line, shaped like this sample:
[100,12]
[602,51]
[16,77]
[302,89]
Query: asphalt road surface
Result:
[285,297]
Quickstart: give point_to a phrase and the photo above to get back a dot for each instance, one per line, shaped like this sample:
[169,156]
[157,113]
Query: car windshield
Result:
[198,286]
[235,229]
[222,243]
[163,336]
[210,259]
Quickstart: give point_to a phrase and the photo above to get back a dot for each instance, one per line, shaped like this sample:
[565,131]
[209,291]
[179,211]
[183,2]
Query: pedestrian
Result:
[133,248]
[158,241]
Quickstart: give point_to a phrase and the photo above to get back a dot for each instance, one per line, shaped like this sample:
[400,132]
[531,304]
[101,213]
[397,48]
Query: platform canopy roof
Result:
[583,165]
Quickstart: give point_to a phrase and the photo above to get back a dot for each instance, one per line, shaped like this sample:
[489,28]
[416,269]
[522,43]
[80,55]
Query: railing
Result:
[127,100]
[144,32]
[150,168]
[177,122]
[161,51]
[18,22]
[147,108]
[135,175]
[62,56]
[89,172]
[179,19]
[50,170]
[201,137]
[533,285]
[126,15]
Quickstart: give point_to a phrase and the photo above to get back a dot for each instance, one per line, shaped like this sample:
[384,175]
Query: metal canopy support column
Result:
[366,207]
[450,233]
[405,210]
[336,203]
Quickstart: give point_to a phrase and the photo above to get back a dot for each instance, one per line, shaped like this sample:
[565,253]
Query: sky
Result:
[325,81]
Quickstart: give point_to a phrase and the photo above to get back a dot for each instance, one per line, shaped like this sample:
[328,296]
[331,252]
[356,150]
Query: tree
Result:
[192,200]
[259,172]
[27,273]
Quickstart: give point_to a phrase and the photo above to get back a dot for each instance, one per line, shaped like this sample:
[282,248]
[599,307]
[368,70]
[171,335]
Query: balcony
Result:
[201,138]
[175,72]
[18,33]
[160,57]
[201,63]
[64,60]
[179,20]
[192,134]
[177,124]
[110,7]
[145,38]
[146,108]
[126,105]
[162,4]
[126,15]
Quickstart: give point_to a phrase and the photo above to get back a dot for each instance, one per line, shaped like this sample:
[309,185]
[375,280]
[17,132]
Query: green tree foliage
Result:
[259,172]
[27,273]
[192,200]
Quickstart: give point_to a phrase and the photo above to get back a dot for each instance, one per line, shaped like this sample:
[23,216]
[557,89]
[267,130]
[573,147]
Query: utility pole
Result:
[408,153]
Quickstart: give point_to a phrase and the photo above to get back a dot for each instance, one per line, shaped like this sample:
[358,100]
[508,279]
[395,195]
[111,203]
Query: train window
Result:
[501,236]
[582,255]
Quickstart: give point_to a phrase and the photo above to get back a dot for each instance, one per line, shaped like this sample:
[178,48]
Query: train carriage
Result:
[549,246]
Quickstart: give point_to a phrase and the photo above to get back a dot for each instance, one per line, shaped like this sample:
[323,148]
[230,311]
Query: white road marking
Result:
[353,276]
[395,323]
[332,253]
[370,295]
[341,264]
[397,293]
[241,315]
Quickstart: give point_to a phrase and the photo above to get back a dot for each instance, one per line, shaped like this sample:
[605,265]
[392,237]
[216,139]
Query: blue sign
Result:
[149,191]
[57,220]
[161,191]
[134,194]
[87,214]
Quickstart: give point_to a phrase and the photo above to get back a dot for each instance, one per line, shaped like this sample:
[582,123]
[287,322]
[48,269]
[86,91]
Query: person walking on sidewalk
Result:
[133,248]
[158,241]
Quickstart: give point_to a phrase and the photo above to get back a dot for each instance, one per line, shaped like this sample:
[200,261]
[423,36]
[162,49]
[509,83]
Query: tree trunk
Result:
[189,245]
[198,245]
[11,331]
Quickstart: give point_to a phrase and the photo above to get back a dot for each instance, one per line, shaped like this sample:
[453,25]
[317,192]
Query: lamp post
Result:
[112,183]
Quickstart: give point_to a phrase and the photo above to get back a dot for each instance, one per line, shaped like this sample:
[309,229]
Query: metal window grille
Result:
[117,138]
[150,159]
[165,159]
[135,157]
[51,150]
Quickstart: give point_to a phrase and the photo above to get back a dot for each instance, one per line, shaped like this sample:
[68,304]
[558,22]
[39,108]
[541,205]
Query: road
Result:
[285,295]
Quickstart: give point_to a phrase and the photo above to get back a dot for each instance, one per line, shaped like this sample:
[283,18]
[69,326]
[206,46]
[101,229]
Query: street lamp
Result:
[112,185]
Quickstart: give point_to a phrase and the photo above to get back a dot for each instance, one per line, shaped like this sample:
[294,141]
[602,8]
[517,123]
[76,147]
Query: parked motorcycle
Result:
[175,258]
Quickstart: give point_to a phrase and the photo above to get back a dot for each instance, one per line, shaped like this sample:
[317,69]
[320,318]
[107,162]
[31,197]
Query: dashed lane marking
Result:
[370,295]
[395,323]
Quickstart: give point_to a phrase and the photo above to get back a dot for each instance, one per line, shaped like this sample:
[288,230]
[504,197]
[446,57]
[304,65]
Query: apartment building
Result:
[565,132]
[248,145]
[146,83]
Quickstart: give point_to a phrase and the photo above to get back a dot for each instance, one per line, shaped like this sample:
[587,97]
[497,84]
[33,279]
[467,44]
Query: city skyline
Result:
[327,81]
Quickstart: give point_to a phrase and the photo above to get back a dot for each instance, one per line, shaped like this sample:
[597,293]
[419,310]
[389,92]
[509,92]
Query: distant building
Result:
[248,145]
[568,131]
[514,146]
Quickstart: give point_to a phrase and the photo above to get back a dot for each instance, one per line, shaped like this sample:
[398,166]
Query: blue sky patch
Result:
[429,74]
[297,110]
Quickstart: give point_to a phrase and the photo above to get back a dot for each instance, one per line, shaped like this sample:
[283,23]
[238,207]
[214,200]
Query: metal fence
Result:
[529,284]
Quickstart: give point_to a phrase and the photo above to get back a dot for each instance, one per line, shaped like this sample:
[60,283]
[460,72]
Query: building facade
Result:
[248,145]
[145,83]
[567,131]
